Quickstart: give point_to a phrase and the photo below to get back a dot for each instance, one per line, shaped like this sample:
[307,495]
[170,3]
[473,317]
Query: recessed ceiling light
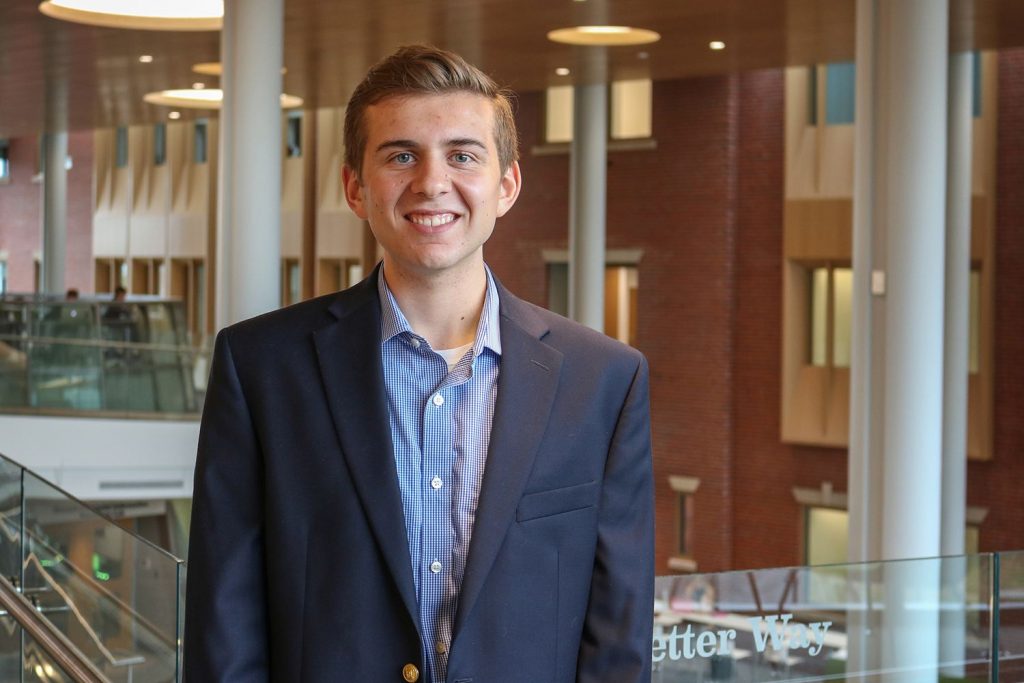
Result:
[716,45]
[603,35]
[155,15]
[562,71]
[146,59]
[208,98]
[174,115]
[198,85]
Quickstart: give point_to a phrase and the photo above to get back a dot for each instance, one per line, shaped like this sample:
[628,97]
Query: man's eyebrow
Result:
[390,144]
[465,142]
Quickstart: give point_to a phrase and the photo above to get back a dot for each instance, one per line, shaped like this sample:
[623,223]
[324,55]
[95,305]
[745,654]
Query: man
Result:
[423,478]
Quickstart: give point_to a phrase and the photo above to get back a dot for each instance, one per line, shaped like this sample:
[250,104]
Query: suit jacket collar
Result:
[351,365]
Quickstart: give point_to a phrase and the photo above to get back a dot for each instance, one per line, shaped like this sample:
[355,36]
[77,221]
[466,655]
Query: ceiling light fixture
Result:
[215,69]
[562,71]
[603,35]
[208,98]
[174,115]
[716,45]
[153,15]
[198,85]
[146,59]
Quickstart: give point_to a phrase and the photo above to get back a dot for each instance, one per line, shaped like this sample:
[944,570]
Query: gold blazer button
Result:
[410,673]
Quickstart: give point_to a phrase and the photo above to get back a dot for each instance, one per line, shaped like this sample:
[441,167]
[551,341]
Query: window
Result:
[629,109]
[199,142]
[621,284]
[159,144]
[121,147]
[812,95]
[335,274]
[188,284]
[976,84]
[5,161]
[831,300]
[293,134]
[840,93]
[291,281]
[147,276]
[684,489]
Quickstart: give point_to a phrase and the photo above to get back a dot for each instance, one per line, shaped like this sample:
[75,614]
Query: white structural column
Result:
[897,362]
[588,188]
[249,219]
[958,285]
[957,351]
[916,35]
[55,211]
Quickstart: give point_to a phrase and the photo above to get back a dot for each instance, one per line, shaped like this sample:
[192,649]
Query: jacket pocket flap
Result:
[556,501]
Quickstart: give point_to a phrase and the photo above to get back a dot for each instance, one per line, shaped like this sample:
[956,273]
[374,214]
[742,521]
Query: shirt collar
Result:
[488,330]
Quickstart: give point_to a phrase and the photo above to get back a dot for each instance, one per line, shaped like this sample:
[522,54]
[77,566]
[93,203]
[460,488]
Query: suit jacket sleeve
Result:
[226,613]
[617,632]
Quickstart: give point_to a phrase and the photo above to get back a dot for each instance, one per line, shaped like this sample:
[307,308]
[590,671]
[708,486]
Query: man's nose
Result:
[432,178]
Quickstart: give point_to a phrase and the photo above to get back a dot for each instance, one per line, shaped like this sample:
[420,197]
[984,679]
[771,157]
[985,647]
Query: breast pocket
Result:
[557,501]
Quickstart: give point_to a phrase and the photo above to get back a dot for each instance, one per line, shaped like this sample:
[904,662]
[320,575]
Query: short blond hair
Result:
[427,70]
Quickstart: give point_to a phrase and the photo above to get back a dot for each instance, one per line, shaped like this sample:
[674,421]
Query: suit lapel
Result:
[526,390]
[350,365]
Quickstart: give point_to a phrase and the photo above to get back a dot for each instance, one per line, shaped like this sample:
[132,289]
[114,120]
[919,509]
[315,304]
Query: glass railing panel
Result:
[114,595]
[88,355]
[35,663]
[1011,616]
[10,521]
[917,620]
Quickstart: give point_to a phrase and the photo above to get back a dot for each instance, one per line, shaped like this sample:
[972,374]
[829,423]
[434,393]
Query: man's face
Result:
[432,186]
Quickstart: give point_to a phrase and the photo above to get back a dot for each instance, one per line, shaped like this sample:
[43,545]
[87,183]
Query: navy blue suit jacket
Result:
[299,567]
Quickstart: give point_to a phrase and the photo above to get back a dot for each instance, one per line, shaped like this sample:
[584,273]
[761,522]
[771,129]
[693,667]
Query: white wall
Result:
[103,459]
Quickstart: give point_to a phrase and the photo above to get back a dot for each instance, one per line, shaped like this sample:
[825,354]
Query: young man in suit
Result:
[423,478]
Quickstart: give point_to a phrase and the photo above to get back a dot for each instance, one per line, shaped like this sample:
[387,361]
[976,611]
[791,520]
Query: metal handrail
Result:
[101,343]
[54,643]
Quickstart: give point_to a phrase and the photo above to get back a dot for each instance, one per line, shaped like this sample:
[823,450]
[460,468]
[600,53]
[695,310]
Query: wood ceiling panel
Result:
[91,77]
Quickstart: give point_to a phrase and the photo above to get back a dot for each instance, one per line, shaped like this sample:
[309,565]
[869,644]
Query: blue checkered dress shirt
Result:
[440,428]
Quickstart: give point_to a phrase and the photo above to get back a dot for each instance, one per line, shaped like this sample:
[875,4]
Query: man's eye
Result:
[461,158]
[403,157]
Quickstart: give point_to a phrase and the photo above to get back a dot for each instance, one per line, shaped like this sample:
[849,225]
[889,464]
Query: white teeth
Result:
[432,220]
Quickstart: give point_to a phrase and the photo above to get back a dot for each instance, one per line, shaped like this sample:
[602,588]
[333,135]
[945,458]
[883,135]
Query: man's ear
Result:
[353,191]
[511,183]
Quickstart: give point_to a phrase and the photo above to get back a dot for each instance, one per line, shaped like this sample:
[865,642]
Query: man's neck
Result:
[444,310]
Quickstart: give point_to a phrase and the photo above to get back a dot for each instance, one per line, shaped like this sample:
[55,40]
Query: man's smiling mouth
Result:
[431,220]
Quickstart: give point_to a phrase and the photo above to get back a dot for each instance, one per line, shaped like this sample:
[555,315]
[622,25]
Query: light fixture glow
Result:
[153,15]
[716,45]
[208,98]
[603,35]
[174,115]
[215,69]
[562,71]
[198,85]
[146,59]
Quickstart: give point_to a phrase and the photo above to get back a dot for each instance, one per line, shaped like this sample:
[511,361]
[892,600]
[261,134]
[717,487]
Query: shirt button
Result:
[435,566]
[441,647]
[438,400]
[436,483]
[415,342]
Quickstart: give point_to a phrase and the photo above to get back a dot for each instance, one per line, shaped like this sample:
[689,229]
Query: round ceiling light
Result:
[603,35]
[153,15]
[208,98]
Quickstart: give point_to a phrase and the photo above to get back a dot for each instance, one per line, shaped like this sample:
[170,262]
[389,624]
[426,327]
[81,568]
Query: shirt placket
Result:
[439,454]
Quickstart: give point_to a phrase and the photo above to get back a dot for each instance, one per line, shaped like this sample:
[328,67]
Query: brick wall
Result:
[997,484]
[677,204]
[21,214]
